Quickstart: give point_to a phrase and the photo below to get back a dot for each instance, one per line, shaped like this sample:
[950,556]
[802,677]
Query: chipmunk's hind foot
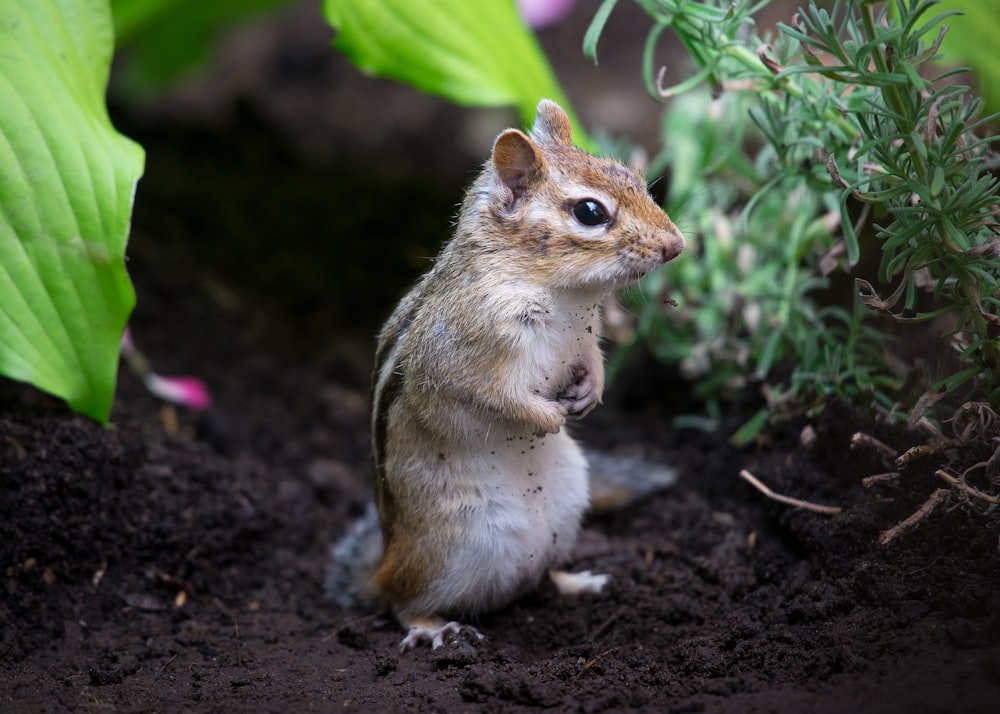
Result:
[433,631]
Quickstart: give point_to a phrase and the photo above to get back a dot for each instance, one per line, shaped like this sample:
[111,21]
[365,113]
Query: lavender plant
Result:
[838,123]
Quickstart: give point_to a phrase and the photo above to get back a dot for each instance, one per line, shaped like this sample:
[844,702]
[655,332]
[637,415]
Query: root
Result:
[892,478]
[976,438]
[966,488]
[755,482]
[908,524]
[860,439]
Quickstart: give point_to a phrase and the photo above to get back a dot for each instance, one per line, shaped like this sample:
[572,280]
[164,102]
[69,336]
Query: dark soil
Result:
[175,561]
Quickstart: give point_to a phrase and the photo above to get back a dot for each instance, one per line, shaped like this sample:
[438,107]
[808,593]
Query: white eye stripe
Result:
[580,192]
[540,212]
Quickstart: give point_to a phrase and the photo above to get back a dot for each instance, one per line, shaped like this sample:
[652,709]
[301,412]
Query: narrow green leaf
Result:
[913,77]
[937,182]
[477,54]
[956,380]
[862,378]
[768,353]
[67,182]
[918,145]
[957,235]
[850,236]
[596,28]
[750,430]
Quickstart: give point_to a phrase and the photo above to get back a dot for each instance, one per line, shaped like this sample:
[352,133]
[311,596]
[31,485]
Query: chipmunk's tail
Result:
[616,480]
[353,560]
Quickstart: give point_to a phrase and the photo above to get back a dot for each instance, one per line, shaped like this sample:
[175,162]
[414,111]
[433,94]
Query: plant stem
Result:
[750,60]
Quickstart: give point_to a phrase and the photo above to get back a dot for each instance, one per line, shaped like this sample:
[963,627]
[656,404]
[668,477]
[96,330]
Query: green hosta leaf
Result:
[972,40]
[164,38]
[67,181]
[474,53]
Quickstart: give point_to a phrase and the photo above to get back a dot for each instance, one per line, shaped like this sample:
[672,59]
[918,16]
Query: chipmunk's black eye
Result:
[590,213]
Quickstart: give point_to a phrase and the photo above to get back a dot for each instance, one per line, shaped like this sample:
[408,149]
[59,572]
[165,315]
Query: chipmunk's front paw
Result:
[433,634]
[582,394]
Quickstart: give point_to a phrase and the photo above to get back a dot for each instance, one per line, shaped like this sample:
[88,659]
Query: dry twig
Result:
[602,628]
[755,482]
[908,524]
[861,439]
[594,661]
[920,451]
[169,662]
[974,492]
[891,477]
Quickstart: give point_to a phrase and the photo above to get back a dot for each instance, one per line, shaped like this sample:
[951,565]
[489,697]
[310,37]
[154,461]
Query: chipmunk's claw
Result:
[434,634]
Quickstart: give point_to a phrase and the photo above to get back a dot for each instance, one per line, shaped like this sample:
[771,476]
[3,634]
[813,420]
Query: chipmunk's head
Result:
[584,221]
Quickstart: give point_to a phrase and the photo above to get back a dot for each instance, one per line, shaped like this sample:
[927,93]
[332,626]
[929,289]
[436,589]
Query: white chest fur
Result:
[562,333]
[528,496]
[507,502]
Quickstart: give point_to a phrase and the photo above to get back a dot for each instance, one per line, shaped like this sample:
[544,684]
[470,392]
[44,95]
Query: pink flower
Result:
[543,13]
[186,391]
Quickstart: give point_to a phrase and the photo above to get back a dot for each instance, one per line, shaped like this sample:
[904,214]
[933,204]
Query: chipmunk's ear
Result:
[517,162]
[551,125]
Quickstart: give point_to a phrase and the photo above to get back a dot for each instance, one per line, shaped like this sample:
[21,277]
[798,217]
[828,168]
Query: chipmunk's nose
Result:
[673,243]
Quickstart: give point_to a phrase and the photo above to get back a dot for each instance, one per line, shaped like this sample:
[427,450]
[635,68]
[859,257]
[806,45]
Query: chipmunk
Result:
[479,489]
